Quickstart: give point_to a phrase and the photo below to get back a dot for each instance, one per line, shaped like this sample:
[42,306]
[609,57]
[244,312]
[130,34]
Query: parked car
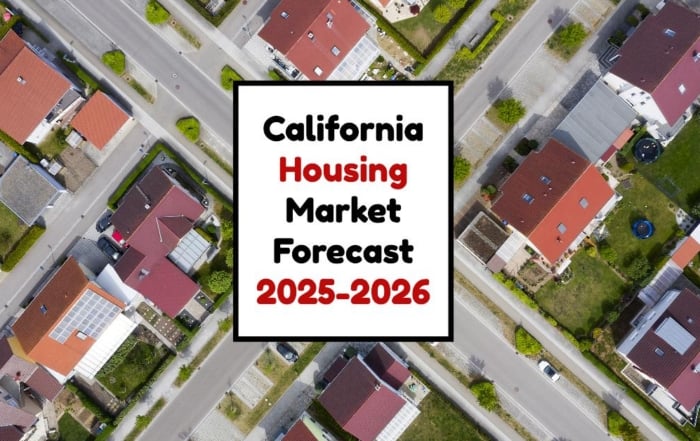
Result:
[548,370]
[109,248]
[287,352]
[104,222]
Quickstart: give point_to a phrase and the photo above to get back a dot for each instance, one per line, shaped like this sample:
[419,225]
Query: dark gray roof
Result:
[28,189]
[595,123]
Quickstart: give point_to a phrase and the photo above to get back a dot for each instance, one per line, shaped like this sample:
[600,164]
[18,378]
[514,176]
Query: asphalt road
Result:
[203,391]
[132,34]
[520,378]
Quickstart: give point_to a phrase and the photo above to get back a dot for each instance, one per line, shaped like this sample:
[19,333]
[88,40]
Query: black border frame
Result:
[450,204]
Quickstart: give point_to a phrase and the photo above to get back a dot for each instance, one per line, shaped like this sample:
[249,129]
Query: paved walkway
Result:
[163,387]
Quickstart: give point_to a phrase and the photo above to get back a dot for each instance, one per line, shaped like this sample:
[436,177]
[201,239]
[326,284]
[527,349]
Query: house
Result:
[664,348]
[28,190]
[365,405]
[658,69]
[324,39]
[608,113]
[100,120]
[306,429]
[156,218]
[387,366]
[24,388]
[72,325]
[35,96]
[554,199]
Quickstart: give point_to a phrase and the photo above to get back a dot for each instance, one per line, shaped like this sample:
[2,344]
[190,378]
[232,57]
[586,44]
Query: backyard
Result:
[673,173]
[640,199]
[11,230]
[423,29]
[71,430]
[130,367]
[580,304]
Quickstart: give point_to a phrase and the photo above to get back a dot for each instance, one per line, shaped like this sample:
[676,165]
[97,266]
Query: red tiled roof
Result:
[311,30]
[659,61]
[668,369]
[686,252]
[387,367]
[30,88]
[299,432]
[559,183]
[43,383]
[99,119]
[145,266]
[335,368]
[686,387]
[10,433]
[359,402]
[56,299]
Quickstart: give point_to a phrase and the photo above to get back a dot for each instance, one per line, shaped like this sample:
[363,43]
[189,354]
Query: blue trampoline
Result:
[647,150]
[642,229]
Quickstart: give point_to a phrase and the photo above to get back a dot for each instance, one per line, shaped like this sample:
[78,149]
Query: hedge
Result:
[454,27]
[393,33]
[469,54]
[88,80]
[24,244]
[519,293]
[90,404]
[19,148]
[217,19]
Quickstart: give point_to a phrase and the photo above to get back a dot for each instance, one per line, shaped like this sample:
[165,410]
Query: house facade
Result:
[658,69]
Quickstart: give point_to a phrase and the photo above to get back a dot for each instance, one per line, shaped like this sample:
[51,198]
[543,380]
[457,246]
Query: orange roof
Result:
[46,311]
[686,252]
[571,214]
[623,138]
[99,119]
[29,87]
[315,35]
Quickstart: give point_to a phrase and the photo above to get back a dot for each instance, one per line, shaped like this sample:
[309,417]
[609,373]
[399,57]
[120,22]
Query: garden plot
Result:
[251,387]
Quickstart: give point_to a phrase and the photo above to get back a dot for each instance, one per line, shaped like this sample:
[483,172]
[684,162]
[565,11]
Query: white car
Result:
[548,370]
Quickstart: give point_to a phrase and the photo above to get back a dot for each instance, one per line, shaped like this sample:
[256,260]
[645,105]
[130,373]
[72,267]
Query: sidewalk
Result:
[457,393]
[163,386]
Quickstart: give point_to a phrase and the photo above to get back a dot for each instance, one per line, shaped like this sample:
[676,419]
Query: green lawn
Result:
[675,173]
[11,230]
[641,200]
[581,303]
[423,29]
[71,430]
[441,420]
[125,373]
[270,364]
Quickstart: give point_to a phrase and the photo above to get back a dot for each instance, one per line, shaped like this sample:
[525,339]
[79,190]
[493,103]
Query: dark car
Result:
[104,222]
[287,352]
[108,248]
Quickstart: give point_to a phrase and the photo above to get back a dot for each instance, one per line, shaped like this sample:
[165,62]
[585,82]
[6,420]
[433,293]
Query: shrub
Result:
[489,190]
[519,293]
[189,126]
[607,253]
[638,268]
[24,245]
[462,169]
[632,20]
[510,110]
[525,146]
[115,60]
[485,393]
[469,54]
[620,427]
[612,316]
[275,75]
[229,258]
[617,38]
[155,13]
[228,77]
[567,39]
[442,14]
[525,343]
[226,229]
[220,281]
[510,164]
[643,10]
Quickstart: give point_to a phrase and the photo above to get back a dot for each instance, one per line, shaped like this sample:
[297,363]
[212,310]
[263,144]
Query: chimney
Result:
[143,273]
[21,80]
[377,386]
[696,369]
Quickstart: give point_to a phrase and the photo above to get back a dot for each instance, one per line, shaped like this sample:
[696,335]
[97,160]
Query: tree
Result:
[442,14]
[620,427]
[695,210]
[229,258]
[220,281]
[155,13]
[638,268]
[226,229]
[510,110]
[607,253]
[189,126]
[462,169]
[568,39]
[485,393]
[115,60]
[525,343]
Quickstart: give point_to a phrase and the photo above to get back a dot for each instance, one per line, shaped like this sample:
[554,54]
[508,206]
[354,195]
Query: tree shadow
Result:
[556,16]
[613,399]
[476,366]
[497,88]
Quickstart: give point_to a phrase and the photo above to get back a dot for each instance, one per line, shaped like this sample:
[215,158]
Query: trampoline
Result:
[647,150]
[642,229]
